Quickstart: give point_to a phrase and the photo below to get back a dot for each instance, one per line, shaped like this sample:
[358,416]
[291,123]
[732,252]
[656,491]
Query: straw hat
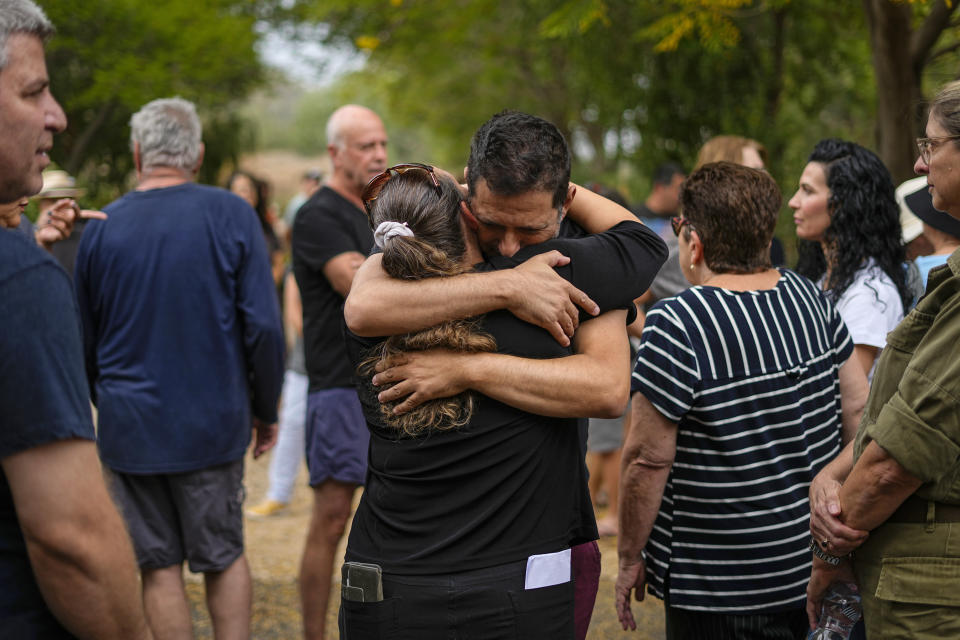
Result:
[58,184]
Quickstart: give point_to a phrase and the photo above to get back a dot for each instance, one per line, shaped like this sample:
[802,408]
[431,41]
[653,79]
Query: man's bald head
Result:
[357,143]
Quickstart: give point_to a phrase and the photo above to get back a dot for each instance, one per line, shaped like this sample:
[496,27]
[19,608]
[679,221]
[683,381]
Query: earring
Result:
[692,266]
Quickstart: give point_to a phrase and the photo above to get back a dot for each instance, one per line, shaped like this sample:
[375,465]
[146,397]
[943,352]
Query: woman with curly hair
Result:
[464,494]
[848,228]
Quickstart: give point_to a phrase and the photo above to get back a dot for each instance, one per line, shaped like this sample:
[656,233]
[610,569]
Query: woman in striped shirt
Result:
[736,406]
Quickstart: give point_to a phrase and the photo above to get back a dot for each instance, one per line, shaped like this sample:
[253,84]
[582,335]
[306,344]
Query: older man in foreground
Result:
[66,565]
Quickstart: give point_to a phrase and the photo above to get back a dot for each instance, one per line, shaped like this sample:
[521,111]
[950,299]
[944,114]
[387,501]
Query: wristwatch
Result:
[832,560]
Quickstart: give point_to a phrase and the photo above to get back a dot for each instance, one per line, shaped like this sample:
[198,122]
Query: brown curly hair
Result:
[436,249]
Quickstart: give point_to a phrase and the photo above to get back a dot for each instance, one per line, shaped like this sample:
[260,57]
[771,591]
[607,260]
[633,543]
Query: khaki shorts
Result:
[194,516]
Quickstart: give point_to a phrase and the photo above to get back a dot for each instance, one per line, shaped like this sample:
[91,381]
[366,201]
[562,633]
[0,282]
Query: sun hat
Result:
[916,207]
[58,184]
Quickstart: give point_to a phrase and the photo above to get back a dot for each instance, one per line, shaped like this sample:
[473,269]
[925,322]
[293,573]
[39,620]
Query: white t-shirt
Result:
[871,308]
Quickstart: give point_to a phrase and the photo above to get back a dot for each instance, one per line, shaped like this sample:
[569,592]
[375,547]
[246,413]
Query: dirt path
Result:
[274,546]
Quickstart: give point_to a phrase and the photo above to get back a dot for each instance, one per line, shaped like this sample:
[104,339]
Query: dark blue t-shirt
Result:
[43,399]
[181,326]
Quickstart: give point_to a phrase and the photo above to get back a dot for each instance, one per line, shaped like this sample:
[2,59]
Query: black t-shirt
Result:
[509,484]
[43,399]
[326,226]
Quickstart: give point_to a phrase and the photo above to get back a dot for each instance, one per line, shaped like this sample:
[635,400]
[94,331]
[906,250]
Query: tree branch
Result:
[923,39]
[943,51]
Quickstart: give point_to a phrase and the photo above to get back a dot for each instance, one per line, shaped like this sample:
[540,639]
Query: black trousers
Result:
[486,603]
[683,624]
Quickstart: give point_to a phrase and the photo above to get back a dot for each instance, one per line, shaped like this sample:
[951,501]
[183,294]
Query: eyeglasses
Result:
[928,145]
[677,223]
[375,186]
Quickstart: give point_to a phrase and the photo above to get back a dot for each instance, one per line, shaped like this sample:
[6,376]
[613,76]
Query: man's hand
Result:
[545,299]
[632,576]
[421,376]
[57,223]
[825,524]
[821,577]
[265,436]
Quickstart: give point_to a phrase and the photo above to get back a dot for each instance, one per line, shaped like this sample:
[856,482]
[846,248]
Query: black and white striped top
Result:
[751,378]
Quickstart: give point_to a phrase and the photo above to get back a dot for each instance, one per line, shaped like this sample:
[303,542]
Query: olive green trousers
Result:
[909,575]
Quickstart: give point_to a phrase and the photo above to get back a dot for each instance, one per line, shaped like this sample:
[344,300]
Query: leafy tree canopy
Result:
[631,82]
[110,57]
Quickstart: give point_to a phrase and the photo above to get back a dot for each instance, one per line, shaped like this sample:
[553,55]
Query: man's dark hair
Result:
[663,175]
[734,210]
[517,153]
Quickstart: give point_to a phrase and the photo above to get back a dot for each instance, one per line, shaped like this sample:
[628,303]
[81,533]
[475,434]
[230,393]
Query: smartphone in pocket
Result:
[361,582]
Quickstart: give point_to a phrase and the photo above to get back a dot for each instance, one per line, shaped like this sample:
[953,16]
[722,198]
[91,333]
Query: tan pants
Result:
[909,575]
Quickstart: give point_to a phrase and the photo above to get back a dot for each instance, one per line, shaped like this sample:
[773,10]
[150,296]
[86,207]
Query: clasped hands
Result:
[833,536]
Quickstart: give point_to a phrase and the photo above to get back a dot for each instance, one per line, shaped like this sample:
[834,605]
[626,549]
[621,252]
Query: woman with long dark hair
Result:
[254,190]
[848,228]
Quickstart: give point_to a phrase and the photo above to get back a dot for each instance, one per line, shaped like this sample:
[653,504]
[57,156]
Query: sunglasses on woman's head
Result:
[375,186]
[677,223]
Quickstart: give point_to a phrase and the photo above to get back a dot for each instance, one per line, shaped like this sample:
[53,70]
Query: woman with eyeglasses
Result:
[899,481]
[849,241]
[736,405]
[471,506]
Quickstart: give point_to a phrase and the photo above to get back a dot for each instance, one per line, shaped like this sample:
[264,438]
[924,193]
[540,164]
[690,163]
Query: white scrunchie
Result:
[390,229]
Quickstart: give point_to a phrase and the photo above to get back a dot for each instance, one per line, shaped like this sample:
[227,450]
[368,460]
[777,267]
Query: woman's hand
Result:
[821,577]
[631,577]
[831,534]
[56,224]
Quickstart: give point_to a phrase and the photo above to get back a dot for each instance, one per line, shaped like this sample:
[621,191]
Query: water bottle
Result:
[841,610]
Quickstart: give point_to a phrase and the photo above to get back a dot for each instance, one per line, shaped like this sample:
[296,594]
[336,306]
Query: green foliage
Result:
[632,83]
[110,57]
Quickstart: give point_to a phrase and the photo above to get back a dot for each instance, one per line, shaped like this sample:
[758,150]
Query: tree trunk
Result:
[773,98]
[921,52]
[78,155]
[890,28]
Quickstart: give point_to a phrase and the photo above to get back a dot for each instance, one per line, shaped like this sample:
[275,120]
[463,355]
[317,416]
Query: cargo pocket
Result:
[368,620]
[919,596]
[545,613]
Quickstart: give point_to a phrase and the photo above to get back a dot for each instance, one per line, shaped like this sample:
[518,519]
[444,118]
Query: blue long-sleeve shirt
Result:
[182,332]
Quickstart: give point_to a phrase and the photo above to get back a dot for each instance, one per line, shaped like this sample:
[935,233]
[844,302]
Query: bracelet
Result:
[832,560]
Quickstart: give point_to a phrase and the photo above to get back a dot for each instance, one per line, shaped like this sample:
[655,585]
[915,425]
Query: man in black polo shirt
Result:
[331,239]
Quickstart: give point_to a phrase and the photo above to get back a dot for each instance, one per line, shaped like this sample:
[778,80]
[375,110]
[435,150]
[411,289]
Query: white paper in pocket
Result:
[547,569]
